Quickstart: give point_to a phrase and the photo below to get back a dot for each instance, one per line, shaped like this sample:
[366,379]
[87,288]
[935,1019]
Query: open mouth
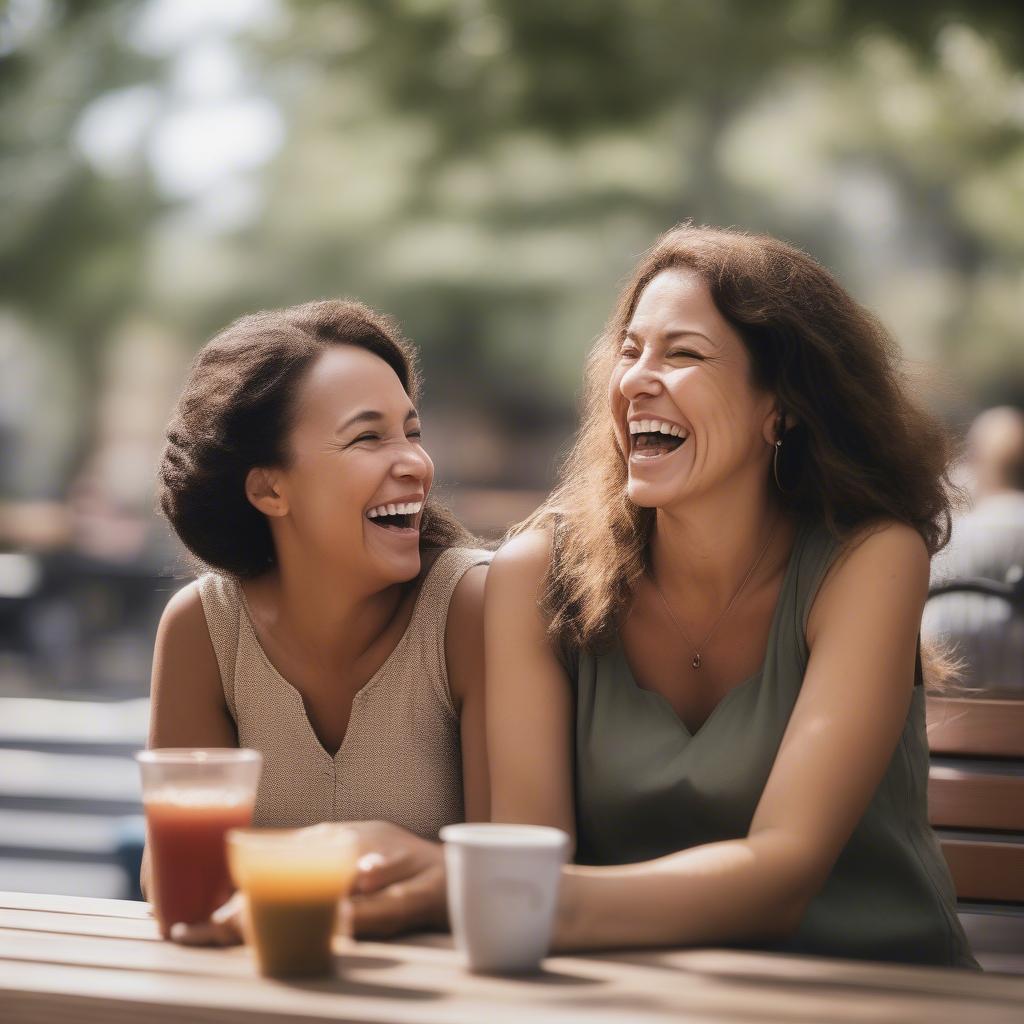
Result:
[651,439]
[402,517]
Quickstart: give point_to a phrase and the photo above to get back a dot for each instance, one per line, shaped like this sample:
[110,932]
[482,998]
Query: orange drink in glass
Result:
[294,881]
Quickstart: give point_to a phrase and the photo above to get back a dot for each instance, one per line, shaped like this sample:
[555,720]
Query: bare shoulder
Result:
[183,634]
[883,567]
[188,706]
[888,547]
[184,613]
[523,561]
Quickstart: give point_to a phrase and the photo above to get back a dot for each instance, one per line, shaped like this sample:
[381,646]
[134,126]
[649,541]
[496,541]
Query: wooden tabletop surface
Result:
[88,961]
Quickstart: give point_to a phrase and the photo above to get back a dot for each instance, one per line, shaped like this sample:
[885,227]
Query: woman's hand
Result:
[399,887]
[401,882]
[223,929]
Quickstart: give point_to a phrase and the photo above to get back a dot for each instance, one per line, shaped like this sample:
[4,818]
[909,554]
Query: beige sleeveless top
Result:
[400,759]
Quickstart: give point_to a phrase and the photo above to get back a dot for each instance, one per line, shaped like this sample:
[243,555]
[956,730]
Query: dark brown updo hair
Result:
[236,412]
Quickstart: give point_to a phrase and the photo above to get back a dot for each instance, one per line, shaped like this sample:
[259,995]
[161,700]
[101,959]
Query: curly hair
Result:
[862,448]
[236,411]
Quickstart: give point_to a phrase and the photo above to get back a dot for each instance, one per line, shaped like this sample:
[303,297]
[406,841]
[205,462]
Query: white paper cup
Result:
[502,892]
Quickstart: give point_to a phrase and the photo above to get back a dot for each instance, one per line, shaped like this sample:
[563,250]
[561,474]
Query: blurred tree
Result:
[72,242]
[487,170]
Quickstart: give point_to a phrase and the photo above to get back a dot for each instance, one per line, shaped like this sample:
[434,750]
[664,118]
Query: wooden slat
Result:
[86,905]
[985,870]
[976,726]
[973,799]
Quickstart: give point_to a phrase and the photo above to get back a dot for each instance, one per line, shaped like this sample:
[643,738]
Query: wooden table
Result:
[73,960]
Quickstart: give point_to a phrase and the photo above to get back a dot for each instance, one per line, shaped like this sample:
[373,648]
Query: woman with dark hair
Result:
[708,635]
[339,627]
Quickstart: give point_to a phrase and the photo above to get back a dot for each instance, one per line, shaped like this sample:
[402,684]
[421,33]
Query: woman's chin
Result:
[393,567]
[403,570]
[646,495]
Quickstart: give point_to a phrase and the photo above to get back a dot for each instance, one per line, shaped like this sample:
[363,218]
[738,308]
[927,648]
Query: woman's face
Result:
[358,477]
[687,417]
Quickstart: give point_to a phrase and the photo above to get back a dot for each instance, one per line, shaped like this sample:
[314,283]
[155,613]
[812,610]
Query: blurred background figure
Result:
[985,623]
[485,171]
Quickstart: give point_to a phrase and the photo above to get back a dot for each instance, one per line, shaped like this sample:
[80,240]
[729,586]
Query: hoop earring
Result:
[775,467]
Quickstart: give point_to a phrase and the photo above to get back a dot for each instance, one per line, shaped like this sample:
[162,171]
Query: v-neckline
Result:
[619,651]
[296,694]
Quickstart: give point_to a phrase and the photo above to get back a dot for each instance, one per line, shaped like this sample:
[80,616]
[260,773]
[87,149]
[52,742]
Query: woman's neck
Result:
[335,618]
[701,551]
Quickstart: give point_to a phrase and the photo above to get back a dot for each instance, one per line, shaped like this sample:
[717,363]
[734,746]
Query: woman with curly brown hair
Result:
[708,635]
[338,627]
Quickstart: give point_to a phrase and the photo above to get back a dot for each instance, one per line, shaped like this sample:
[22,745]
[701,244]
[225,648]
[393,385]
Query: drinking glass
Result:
[293,881]
[191,798]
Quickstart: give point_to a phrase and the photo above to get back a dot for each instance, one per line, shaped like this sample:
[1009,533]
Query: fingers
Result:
[222,929]
[206,933]
[409,905]
[378,869]
[385,913]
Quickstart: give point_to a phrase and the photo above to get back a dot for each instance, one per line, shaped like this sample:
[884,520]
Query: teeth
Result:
[405,508]
[656,427]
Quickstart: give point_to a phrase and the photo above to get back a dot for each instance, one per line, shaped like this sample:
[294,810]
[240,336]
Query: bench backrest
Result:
[976,793]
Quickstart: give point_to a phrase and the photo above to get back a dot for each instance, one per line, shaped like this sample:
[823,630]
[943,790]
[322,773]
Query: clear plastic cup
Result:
[191,798]
[294,881]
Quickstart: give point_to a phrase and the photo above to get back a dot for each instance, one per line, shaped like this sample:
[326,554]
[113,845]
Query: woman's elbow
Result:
[800,876]
[785,922]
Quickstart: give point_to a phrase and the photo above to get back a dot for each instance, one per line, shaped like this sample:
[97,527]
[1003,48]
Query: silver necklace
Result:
[698,648]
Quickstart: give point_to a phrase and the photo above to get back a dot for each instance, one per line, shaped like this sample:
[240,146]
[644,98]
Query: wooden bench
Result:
[976,804]
[70,801]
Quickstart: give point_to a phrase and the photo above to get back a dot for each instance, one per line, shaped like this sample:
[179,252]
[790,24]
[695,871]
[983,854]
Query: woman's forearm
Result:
[754,888]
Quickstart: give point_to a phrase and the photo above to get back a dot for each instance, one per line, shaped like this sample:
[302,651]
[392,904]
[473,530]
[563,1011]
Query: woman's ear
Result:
[777,424]
[263,489]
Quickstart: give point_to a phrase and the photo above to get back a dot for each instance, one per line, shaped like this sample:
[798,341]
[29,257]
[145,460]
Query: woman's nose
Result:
[640,379]
[412,462]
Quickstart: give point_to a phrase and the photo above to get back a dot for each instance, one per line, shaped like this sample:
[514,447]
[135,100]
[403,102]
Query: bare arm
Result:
[847,721]
[529,706]
[187,706]
[464,654]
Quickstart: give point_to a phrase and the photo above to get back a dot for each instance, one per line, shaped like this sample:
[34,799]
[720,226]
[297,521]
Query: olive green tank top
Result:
[646,787]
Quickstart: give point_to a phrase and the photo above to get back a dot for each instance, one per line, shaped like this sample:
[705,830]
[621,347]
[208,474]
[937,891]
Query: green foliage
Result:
[487,170]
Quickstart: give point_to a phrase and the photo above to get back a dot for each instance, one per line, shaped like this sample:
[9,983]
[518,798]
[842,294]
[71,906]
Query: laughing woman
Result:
[339,627]
[708,636]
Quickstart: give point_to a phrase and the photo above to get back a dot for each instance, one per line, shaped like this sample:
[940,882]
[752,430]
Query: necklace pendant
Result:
[696,661]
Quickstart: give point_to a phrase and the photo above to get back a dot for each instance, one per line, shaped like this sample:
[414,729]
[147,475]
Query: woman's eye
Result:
[417,434]
[684,353]
[628,353]
[367,437]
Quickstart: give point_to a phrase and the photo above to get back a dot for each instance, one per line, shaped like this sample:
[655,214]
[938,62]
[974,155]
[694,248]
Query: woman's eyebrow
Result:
[373,416]
[671,335]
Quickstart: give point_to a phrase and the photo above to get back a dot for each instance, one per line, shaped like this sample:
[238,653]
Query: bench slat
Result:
[976,726]
[986,871]
[967,799]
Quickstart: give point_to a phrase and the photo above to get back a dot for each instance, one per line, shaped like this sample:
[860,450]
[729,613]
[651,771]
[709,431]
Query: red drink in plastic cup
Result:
[192,798]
